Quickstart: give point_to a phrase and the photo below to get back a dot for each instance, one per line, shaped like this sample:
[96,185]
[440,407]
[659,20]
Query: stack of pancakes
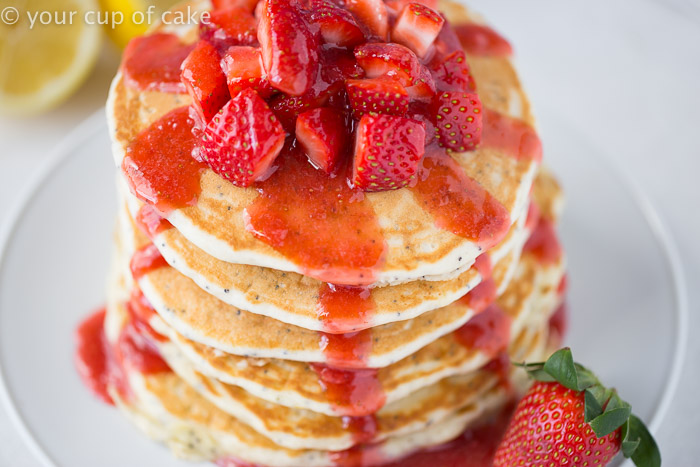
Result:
[263,374]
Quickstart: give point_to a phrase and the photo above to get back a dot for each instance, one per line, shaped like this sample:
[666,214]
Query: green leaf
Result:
[628,445]
[561,367]
[647,452]
[586,378]
[593,408]
[610,421]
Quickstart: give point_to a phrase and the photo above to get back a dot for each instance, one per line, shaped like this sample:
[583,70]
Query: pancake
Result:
[295,299]
[169,410]
[414,246]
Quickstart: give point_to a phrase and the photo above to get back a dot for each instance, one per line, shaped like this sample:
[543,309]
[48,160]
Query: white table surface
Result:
[632,82]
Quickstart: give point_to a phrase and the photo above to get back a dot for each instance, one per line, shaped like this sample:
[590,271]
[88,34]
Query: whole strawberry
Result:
[569,418]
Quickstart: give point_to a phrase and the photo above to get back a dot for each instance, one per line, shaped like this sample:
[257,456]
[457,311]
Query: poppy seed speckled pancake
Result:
[414,246]
[169,410]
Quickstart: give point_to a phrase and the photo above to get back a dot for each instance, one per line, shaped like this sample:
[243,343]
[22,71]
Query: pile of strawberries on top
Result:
[372,80]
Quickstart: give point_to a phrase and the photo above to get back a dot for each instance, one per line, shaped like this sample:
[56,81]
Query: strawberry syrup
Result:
[477,39]
[318,221]
[458,203]
[151,222]
[145,260]
[488,331]
[159,166]
[512,136]
[544,243]
[152,63]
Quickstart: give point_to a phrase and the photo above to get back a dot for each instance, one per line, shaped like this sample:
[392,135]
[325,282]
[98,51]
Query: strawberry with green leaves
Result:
[569,418]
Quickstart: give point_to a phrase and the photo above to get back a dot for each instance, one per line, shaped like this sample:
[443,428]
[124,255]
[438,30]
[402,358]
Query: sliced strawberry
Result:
[377,95]
[204,80]
[243,68]
[459,120]
[388,150]
[289,48]
[417,27]
[394,60]
[423,87]
[230,26]
[323,135]
[288,108]
[453,74]
[242,141]
[398,5]
[373,14]
[337,24]
[447,41]
[248,5]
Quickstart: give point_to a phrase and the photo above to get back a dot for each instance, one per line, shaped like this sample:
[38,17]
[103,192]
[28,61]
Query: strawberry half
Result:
[337,24]
[243,68]
[569,418]
[373,14]
[398,5]
[417,28]
[423,87]
[453,74]
[458,121]
[242,141]
[228,27]
[388,150]
[377,95]
[204,80]
[323,135]
[393,60]
[289,48]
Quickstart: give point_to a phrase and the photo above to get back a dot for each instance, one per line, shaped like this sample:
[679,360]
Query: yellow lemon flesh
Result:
[47,50]
[126,19]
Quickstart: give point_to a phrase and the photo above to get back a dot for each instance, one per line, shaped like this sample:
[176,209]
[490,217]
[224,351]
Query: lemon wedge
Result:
[131,25]
[44,60]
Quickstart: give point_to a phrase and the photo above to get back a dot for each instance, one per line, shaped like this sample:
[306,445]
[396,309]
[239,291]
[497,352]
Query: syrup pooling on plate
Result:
[458,203]
[325,226]
[152,63]
[159,166]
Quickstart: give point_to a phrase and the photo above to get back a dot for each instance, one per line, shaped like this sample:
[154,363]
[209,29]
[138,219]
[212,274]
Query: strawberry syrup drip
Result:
[352,392]
[563,285]
[488,331]
[139,352]
[533,217]
[145,260]
[512,136]
[94,358]
[317,221]
[349,350]
[141,311]
[151,222]
[159,166]
[458,203]
[477,39]
[484,294]
[344,309]
[544,243]
[152,63]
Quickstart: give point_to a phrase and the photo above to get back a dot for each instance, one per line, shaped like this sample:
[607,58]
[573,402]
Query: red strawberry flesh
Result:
[244,69]
[373,14]
[337,24]
[393,60]
[204,80]
[388,150]
[289,48]
[242,141]
[230,26]
[417,27]
[452,73]
[323,135]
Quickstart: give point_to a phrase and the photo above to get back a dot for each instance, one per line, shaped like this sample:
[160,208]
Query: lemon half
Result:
[122,33]
[41,65]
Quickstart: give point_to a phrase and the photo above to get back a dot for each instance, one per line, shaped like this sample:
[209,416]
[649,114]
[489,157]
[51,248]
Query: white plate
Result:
[625,295]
